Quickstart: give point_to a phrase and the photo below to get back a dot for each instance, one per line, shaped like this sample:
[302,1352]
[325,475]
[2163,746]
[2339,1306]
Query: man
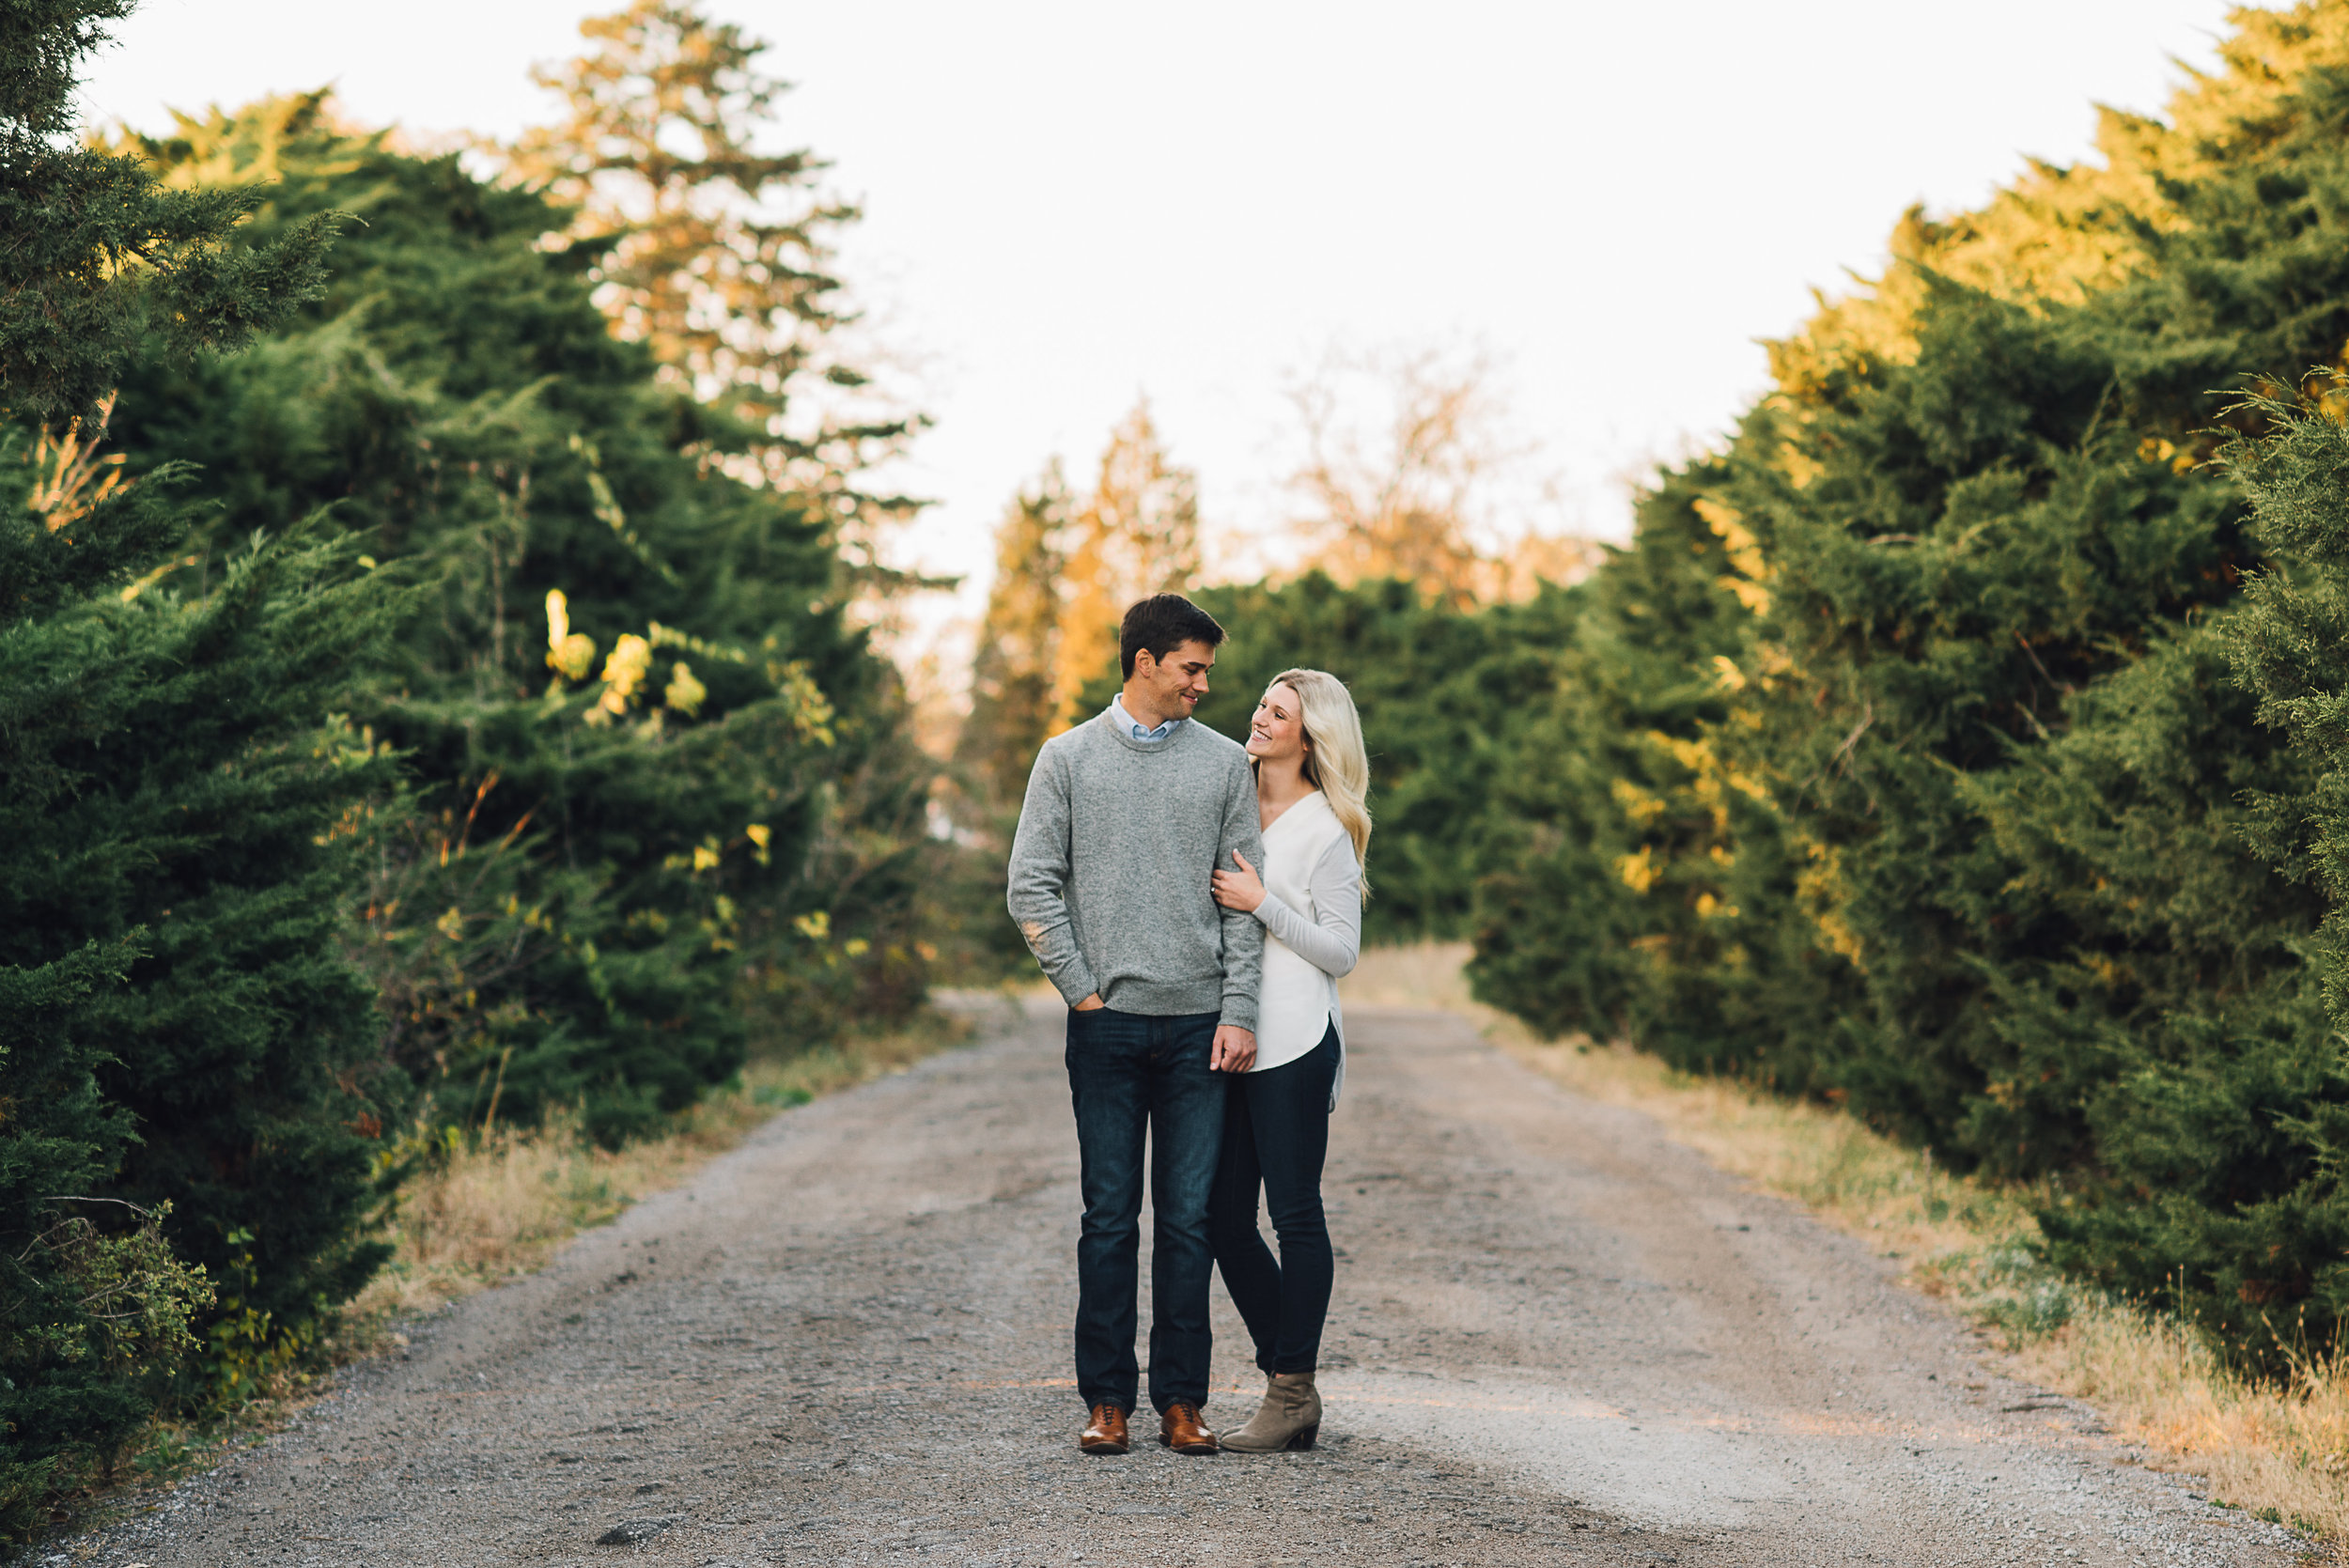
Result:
[1127,818]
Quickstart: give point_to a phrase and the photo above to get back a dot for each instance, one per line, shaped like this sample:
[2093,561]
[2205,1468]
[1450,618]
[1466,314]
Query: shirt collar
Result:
[1128,724]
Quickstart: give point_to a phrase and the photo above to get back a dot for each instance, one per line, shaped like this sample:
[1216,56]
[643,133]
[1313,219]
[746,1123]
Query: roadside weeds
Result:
[2281,1453]
[496,1205]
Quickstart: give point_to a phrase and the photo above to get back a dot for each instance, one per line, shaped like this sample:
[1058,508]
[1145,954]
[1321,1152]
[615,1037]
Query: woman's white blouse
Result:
[1312,920]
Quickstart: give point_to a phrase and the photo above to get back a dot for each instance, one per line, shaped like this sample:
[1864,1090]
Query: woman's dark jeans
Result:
[1132,1075]
[1276,1131]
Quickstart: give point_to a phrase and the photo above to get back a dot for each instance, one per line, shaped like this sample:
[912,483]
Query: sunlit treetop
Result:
[715,254]
[2059,234]
[96,259]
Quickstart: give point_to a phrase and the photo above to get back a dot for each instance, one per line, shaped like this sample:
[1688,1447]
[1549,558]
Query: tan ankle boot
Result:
[1289,1417]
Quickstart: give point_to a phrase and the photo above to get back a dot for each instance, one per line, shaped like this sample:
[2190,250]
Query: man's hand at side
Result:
[1234,1049]
[1092,1000]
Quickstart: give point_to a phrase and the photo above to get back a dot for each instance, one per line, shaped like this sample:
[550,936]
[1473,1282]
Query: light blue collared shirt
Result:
[1130,725]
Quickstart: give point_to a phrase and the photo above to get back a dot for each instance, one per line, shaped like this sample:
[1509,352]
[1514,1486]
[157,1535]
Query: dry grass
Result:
[488,1208]
[2282,1454]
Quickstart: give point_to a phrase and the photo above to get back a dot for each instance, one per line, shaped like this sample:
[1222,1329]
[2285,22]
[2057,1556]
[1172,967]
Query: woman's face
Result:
[1277,733]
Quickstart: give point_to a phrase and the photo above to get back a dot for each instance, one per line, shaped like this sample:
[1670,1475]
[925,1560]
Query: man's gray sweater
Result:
[1110,871]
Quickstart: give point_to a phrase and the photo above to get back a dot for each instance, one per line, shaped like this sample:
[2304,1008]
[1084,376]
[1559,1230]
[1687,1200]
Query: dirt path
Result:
[1558,1337]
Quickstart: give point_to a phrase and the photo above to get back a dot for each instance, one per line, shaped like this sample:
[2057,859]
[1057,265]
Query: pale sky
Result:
[1071,204]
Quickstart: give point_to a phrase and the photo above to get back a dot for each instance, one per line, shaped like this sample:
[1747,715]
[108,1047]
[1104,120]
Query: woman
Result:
[1312,779]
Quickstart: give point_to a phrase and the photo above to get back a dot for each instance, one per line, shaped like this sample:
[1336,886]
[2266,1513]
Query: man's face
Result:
[1173,685]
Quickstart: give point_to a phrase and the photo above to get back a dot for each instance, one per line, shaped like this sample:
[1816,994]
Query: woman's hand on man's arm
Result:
[1241,890]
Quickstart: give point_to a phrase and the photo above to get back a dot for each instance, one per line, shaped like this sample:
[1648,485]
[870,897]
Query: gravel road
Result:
[1558,1337]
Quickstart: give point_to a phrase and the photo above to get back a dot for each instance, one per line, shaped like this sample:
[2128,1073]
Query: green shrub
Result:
[658,797]
[184,1049]
[1900,760]
[184,1033]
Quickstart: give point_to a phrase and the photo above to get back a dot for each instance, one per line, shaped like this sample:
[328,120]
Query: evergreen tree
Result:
[1980,865]
[188,1162]
[717,256]
[2288,641]
[2220,1182]
[627,694]
[1136,534]
[1975,537]
[1013,669]
[2179,1015]
[98,258]
[182,814]
[1630,881]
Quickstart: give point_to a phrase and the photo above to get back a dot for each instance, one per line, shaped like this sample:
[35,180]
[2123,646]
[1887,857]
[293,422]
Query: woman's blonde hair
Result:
[1336,761]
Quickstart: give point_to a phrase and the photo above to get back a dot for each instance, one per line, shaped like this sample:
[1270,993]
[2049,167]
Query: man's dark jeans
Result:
[1129,1075]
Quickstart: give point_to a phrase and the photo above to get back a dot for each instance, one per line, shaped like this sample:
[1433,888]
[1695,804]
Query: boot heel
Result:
[1304,1439]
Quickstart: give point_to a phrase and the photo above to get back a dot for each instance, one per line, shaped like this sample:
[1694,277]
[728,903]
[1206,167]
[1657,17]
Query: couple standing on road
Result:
[1196,904]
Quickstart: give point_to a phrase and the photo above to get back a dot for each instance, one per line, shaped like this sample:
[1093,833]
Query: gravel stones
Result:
[629,1532]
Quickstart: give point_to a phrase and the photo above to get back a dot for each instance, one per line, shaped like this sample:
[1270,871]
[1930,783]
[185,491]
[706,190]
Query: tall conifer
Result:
[716,251]
[1017,660]
[1980,863]
[99,258]
[186,1050]
[664,802]
[1137,533]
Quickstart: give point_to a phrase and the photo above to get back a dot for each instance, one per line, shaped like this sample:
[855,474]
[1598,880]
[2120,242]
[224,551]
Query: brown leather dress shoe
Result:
[1183,1429]
[1106,1431]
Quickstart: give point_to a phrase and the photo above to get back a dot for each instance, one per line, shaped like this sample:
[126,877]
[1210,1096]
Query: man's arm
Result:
[1243,938]
[1037,893]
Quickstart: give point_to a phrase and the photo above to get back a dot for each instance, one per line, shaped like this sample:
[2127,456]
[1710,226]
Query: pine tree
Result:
[1630,883]
[631,704]
[1980,865]
[100,260]
[1013,669]
[717,256]
[186,1048]
[2178,1013]
[2288,641]
[1136,534]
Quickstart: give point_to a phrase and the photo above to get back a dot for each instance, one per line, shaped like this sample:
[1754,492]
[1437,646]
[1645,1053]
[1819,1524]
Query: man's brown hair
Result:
[1163,623]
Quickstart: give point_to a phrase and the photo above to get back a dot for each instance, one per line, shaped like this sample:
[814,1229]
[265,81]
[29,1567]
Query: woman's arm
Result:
[1334,943]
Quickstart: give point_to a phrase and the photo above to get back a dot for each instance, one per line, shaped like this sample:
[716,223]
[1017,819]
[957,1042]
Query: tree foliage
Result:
[98,258]
[186,1054]
[1018,662]
[1137,533]
[716,255]
[1406,469]
[1902,758]
[627,695]
[438,696]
